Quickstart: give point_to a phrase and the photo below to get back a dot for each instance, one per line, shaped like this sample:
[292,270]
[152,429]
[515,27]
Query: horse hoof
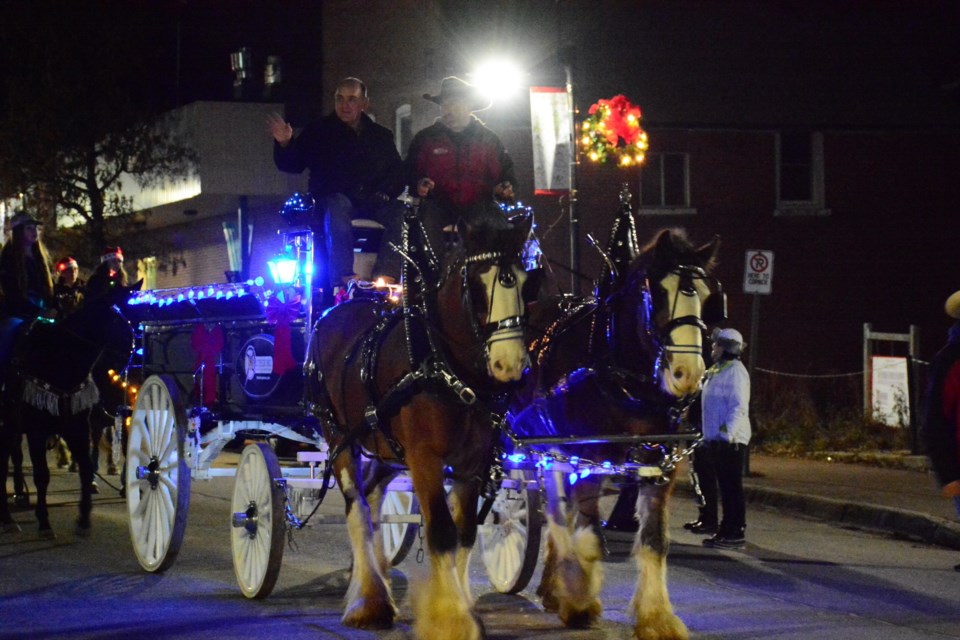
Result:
[661,627]
[83,531]
[47,534]
[21,499]
[580,617]
[73,467]
[94,487]
[361,616]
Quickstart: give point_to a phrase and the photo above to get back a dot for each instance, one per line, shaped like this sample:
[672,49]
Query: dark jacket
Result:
[68,297]
[26,304]
[364,166]
[466,165]
[940,422]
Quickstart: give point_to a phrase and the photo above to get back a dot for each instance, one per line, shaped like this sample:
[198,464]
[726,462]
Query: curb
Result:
[898,522]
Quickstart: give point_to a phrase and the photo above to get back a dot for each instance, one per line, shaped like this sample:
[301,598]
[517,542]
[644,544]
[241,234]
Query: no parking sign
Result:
[758,273]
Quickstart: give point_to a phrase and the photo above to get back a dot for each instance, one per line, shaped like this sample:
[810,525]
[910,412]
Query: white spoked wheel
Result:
[157,476]
[258,521]
[399,521]
[510,536]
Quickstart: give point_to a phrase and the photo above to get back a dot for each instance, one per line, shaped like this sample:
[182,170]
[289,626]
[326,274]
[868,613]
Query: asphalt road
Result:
[796,579]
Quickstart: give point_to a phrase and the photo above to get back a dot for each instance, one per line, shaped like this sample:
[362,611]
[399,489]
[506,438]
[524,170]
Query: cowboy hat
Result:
[952,305]
[453,88]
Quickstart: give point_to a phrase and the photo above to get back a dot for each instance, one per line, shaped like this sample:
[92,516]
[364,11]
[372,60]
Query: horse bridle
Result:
[490,332]
[662,336]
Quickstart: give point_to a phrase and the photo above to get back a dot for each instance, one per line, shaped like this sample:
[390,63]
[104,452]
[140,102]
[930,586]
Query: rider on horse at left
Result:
[27,294]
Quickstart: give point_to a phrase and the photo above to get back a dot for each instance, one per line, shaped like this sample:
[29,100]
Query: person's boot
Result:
[700,527]
[726,540]
[703,525]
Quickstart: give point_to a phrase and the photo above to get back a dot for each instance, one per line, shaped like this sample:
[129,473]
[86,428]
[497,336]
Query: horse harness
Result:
[430,367]
[620,382]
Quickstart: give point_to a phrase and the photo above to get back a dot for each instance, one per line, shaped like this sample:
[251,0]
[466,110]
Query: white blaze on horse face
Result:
[684,366]
[506,352]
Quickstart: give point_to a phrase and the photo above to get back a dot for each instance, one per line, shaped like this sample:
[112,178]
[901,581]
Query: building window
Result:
[665,183]
[403,132]
[800,185]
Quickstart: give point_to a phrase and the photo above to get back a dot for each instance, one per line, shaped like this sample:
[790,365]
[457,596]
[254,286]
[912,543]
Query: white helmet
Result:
[731,341]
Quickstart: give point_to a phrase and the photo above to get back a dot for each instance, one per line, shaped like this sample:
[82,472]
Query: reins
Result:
[427,348]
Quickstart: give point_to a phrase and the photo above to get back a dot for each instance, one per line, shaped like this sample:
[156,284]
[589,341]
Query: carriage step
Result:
[312,456]
[304,483]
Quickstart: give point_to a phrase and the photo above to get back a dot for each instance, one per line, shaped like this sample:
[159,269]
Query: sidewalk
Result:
[901,498]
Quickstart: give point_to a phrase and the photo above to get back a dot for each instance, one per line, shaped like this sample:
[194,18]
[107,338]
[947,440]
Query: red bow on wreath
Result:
[207,344]
[281,314]
[613,129]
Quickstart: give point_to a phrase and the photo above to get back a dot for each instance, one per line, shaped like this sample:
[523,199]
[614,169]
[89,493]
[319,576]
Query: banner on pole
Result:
[551,123]
[890,390]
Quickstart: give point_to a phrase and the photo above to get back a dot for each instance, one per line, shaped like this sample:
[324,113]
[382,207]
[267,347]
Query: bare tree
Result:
[79,102]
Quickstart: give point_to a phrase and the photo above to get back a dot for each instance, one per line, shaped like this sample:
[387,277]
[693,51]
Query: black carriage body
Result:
[246,386]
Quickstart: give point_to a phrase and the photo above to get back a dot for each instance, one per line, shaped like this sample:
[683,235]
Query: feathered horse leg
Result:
[572,575]
[369,603]
[653,613]
[442,606]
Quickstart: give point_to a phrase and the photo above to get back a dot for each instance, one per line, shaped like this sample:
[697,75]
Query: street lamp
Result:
[497,79]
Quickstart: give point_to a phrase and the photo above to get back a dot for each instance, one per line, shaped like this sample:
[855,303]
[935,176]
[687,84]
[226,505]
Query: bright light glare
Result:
[497,79]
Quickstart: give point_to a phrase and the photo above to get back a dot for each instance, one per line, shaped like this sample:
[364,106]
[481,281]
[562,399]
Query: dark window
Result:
[663,180]
[796,166]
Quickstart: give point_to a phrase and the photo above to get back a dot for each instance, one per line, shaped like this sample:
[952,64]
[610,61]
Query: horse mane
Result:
[670,247]
[491,233]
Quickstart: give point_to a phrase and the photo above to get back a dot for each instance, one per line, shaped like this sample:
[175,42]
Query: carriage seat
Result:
[366,239]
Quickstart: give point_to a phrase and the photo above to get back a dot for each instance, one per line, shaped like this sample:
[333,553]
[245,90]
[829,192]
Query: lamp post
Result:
[574,218]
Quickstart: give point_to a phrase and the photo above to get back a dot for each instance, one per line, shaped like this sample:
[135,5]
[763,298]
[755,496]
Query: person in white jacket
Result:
[726,435]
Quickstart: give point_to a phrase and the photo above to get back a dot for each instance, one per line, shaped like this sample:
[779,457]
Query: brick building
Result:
[826,132]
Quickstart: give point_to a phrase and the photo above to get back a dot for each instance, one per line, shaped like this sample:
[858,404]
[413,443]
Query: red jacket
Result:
[941,419]
[465,166]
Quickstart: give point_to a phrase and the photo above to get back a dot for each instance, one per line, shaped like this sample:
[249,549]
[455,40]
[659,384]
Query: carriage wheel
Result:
[258,521]
[398,537]
[157,476]
[510,537]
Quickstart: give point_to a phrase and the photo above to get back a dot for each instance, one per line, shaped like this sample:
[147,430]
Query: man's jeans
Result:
[338,213]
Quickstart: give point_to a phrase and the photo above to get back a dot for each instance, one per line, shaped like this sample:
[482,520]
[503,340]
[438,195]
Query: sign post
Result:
[758,280]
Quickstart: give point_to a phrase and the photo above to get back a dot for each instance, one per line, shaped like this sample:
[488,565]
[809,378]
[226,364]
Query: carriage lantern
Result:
[284,267]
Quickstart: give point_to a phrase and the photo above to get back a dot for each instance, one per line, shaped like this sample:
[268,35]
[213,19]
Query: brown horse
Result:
[413,387]
[608,379]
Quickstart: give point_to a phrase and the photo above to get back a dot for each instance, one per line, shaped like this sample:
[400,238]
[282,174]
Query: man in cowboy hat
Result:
[458,162]
[355,171]
[941,410]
